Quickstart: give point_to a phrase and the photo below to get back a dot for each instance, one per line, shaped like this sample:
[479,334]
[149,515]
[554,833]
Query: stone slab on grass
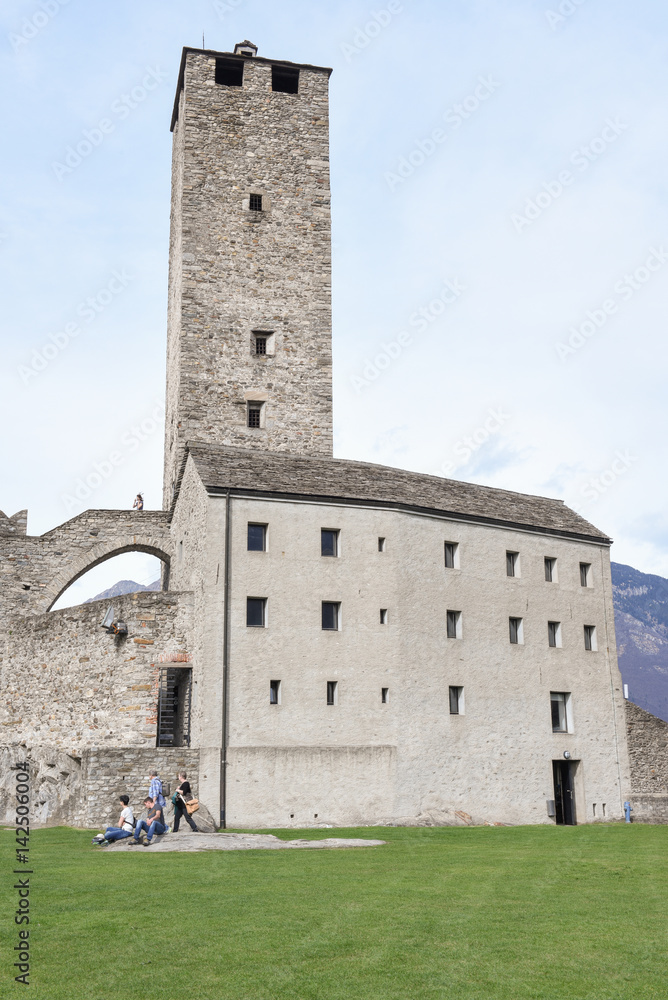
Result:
[233,842]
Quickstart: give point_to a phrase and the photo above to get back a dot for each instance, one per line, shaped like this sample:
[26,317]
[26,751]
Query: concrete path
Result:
[231,842]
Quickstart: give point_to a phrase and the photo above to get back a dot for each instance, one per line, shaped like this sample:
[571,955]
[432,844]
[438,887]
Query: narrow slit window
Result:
[285,79]
[585,574]
[257,537]
[261,345]
[274,692]
[255,203]
[590,638]
[554,634]
[329,542]
[332,692]
[381,544]
[560,707]
[550,569]
[229,72]
[331,616]
[383,616]
[255,415]
[512,564]
[456,700]
[384,696]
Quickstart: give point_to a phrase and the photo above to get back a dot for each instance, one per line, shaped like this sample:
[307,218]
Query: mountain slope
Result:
[641,623]
[123,587]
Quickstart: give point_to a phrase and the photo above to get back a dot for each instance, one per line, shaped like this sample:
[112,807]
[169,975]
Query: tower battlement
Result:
[249,328]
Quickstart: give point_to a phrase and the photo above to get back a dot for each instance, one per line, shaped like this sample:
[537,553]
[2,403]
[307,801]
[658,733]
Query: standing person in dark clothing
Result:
[139,502]
[180,797]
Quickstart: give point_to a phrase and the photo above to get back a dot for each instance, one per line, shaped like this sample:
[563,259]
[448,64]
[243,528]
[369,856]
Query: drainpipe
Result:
[226,661]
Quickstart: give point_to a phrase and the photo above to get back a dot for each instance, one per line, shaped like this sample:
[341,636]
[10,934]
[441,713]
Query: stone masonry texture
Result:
[234,270]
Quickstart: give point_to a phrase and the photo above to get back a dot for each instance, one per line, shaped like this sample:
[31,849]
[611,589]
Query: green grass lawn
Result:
[540,912]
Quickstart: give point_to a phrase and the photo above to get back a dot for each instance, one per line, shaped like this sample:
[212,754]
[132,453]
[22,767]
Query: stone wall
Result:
[69,684]
[647,739]
[233,270]
[36,569]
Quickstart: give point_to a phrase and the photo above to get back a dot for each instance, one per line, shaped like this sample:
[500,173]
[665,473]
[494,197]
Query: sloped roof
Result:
[264,473]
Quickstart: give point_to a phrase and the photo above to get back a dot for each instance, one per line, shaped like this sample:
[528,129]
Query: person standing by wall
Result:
[182,795]
[155,790]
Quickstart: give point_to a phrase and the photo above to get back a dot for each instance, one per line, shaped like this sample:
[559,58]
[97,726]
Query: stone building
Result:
[335,642]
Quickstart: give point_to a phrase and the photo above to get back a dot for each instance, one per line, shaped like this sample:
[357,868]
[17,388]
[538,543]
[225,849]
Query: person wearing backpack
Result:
[155,790]
[179,798]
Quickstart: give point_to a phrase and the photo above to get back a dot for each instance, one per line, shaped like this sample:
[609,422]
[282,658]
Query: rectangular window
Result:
[274,692]
[385,695]
[332,692]
[512,564]
[261,345]
[590,638]
[230,72]
[285,79]
[516,628]
[256,612]
[257,537]
[255,414]
[381,544]
[585,574]
[255,203]
[331,615]
[174,703]
[456,700]
[383,616]
[329,542]
[560,702]
[454,624]
[550,569]
[554,634]
[451,555]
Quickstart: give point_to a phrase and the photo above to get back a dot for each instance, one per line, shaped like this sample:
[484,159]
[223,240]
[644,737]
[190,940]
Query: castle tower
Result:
[249,322]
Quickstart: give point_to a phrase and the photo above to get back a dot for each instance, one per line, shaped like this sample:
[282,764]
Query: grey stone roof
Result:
[278,473]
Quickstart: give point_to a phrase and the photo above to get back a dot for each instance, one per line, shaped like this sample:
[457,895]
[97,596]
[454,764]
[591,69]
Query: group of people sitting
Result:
[144,830]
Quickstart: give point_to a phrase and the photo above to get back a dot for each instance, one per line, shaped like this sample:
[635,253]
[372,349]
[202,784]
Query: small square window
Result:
[451,555]
[255,203]
[255,414]
[329,542]
[516,629]
[585,574]
[456,700]
[229,72]
[332,692]
[550,569]
[512,564]
[260,345]
[590,638]
[285,79]
[554,634]
[256,612]
[454,624]
[331,615]
[560,703]
[381,544]
[383,616]
[257,537]
[274,692]
[385,696]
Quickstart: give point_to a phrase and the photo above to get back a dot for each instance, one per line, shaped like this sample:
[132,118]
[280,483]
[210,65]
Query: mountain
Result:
[641,623]
[123,587]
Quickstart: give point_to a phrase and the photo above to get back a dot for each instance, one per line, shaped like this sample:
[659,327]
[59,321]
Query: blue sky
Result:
[515,152]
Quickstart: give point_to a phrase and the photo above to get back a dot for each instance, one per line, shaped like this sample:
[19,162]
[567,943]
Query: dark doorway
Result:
[564,792]
[174,697]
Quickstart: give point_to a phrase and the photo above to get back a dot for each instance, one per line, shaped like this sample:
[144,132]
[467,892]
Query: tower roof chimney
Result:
[245,49]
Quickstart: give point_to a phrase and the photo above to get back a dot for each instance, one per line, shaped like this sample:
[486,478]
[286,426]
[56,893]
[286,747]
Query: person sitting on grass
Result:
[153,824]
[125,826]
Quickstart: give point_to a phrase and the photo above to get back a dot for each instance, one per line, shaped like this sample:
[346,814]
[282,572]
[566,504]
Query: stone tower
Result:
[249,323]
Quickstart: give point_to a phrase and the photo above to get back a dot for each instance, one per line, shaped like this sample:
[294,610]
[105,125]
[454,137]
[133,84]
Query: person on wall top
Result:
[139,502]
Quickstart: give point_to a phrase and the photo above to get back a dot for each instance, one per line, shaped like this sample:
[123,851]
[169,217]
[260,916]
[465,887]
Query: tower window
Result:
[257,537]
[516,630]
[385,696]
[329,542]
[230,72]
[454,625]
[274,692]
[590,638]
[554,634]
[585,574]
[456,695]
[451,555]
[332,692]
[550,569]
[256,612]
[560,703]
[285,79]
[512,564]
[383,616]
[331,615]
[255,203]
[255,414]
[260,345]
[381,544]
